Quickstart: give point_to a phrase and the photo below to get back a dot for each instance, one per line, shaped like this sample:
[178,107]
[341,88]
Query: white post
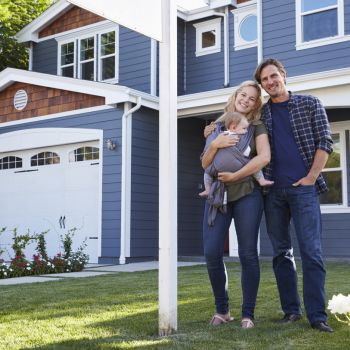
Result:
[168,171]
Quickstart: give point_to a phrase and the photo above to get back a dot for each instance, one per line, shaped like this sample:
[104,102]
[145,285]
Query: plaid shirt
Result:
[310,128]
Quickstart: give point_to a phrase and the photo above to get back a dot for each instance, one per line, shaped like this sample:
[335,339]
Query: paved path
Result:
[91,270]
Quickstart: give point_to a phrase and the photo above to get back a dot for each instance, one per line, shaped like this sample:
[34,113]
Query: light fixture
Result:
[111,145]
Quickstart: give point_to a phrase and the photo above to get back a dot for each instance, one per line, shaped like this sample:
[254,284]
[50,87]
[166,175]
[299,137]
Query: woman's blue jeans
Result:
[302,205]
[247,213]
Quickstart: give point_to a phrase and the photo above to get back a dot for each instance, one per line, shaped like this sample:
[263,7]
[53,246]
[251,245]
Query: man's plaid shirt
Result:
[310,128]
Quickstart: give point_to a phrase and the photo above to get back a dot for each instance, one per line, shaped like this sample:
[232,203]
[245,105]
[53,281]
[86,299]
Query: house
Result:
[79,129]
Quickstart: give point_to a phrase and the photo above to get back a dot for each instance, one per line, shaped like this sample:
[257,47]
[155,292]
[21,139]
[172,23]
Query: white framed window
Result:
[335,173]
[108,56]
[90,56]
[45,158]
[66,59]
[87,55]
[10,162]
[245,27]
[319,23]
[208,37]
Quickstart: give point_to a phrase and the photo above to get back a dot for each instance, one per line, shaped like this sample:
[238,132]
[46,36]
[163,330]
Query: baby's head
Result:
[236,122]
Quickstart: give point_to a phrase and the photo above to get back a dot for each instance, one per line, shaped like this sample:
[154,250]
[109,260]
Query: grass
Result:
[119,311]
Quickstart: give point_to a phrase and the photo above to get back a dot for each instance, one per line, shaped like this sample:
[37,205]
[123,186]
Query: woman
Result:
[244,205]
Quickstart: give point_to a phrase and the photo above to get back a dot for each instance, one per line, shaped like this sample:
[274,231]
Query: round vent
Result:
[20,100]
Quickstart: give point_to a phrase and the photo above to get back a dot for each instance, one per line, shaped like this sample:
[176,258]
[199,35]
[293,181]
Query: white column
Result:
[168,171]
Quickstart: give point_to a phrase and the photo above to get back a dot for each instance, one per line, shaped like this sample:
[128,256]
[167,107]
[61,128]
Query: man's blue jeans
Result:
[302,205]
[247,213]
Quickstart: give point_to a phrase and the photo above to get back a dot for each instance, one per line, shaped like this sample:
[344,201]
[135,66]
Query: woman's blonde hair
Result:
[254,115]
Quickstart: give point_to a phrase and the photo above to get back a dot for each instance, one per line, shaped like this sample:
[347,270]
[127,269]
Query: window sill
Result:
[335,209]
[245,46]
[322,42]
[207,52]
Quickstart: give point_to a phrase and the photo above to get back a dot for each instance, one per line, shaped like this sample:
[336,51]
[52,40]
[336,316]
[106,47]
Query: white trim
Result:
[260,31]
[153,77]
[208,26]
[239,15]
[341,37]
[100,196]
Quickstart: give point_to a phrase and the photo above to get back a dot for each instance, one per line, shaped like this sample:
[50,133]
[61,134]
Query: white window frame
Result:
[92,35]
[339,128]
[207,26]
[116,55]
[341,37]
[59,66]
[239,15]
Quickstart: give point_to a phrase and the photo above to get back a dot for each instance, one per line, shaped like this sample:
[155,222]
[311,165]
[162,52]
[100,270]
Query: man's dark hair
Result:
[268,62]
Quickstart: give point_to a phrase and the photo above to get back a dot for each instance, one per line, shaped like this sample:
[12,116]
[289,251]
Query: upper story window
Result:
[319,23]
[208,37]
[245,27]
[84,153]
[10,162]
[90,57]
[335,174]
[45,158]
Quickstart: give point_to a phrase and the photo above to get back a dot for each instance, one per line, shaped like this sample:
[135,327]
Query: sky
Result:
[191,4]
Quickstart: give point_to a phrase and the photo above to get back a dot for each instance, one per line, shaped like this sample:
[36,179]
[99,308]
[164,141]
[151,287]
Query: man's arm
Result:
[318,164]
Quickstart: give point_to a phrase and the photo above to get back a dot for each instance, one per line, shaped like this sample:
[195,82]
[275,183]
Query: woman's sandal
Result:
[247,323]
[220,319]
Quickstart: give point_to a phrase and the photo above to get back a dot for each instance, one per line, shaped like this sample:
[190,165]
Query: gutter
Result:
[260,33]
[126,180]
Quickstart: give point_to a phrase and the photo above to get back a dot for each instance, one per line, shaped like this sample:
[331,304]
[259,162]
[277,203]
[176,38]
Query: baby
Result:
[235,124]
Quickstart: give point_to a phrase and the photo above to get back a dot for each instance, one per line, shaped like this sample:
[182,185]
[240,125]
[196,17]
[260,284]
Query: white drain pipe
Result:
[126,180]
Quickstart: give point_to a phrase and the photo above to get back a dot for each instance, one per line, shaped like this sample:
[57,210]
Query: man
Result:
[300,141]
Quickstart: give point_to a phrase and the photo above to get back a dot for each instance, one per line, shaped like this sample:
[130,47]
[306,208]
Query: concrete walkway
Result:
[92,270]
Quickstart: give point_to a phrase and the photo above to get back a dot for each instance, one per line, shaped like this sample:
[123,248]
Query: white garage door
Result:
[51,188]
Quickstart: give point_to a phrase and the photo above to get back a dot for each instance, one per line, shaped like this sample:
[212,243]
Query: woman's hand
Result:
[226,177]
[209,129]
[224,140]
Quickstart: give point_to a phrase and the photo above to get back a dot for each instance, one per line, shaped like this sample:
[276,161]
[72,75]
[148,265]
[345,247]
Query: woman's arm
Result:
[222,141]
[262,158]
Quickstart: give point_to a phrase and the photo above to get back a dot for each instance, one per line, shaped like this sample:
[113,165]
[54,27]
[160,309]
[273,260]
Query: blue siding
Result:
[45,57]
[110,122]
[206,72]
[144,184]
[190,178]
[279,40]
[347,17]
[180,56]
[134,60]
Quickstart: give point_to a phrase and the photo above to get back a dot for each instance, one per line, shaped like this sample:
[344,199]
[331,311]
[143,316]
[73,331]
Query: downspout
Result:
[260,31]
[126,178]
[30,54]
[226,46]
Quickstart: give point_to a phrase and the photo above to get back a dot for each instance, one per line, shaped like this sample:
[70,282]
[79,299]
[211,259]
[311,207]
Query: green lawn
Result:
[119,311]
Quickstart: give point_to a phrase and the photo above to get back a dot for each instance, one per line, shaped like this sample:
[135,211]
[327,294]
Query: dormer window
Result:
[208,37]
[90,57]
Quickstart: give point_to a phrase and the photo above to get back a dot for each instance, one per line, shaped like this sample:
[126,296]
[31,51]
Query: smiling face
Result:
[246,100]
[273,82]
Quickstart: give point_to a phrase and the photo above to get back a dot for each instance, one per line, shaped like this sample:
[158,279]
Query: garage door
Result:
[51,188]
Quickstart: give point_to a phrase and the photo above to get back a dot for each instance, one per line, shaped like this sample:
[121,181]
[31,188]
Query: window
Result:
[84,153]
[245,27]
[208,37]
[10,162]
[87,58]
[319,22]
[107,56]
[334,173]
[45,158]
[90,56]
[67,59]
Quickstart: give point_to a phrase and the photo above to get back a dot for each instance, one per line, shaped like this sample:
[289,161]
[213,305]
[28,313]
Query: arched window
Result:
[84,153]
[45,158]
[10,162]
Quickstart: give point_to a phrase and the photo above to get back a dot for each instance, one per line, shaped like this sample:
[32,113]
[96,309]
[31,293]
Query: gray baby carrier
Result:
[228,159]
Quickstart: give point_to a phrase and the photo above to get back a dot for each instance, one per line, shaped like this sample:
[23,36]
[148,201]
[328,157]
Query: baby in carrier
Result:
[235,124]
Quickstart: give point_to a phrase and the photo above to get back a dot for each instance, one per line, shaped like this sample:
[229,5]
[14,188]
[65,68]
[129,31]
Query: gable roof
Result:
[112,93]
